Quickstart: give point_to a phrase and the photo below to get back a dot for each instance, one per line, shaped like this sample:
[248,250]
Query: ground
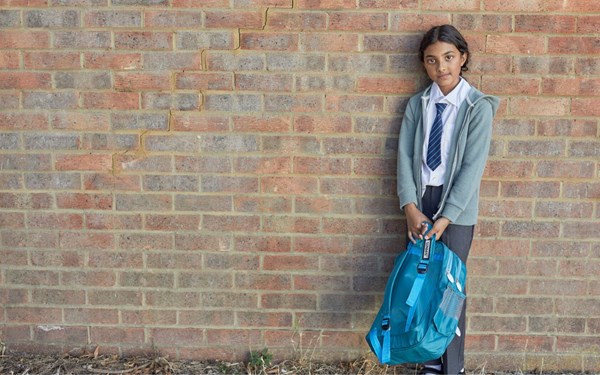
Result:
[89,363]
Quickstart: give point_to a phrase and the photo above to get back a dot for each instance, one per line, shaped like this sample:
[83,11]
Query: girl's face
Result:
[443,62]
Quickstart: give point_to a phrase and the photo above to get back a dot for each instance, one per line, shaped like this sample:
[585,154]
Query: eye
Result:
[430,61]
[449,57]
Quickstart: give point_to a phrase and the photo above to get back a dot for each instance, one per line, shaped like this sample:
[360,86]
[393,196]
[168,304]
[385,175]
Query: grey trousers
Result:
[458,238]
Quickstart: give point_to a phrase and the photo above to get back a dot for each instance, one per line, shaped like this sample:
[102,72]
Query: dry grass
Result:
[93,362]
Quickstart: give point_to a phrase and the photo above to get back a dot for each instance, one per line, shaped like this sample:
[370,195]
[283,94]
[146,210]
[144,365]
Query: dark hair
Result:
[448,34]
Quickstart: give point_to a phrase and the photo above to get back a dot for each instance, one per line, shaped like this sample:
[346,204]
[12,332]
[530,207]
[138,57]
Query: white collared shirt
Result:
[454,100]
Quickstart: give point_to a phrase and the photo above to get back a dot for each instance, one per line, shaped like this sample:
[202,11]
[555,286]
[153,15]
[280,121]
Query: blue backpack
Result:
[423,301]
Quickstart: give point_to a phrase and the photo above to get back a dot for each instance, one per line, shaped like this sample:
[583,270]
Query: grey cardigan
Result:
[468,154]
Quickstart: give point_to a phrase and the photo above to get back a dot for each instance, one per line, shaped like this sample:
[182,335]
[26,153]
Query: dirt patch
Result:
[95,363]
[90,363]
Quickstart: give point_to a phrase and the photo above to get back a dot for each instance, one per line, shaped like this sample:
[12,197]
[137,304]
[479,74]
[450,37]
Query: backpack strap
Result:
[415,291]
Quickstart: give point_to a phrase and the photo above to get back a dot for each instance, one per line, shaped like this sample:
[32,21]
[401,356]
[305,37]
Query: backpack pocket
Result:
[449,311]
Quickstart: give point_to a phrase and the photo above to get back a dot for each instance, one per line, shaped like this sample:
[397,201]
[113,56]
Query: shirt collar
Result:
[455,97]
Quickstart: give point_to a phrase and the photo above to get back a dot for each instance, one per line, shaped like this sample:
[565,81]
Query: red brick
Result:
[115,297]
[99,335]
[142,81]
[497,286]
[266,204]
[57,258]
[406,22]
[483,23]
[145,241]
[149,317]
[263,82]
[83,240]
[585,107]
[539,106]
[112,60]
[263,165]
[111,100]
[58,297]
[80,121]
[105,221]
[351,186]
[323,166]
[322,320]
[54,220]
[143,40]
[233,337]
[529,343]
[565,169]
[520,6]
[168,19]
[176,337]
[35,315]
[477,342]
[233,19]
[25,39]
[546,24]
[350,226]
[296,21]
[207,318]
[201,3]
[248,281]
[557,287]
[268,41]
[564,210]
[172,222]
[292,301]
[83,162]
[199,122]
[502,248]
[286,145]
[375,167]
[289,185]
[84,201]
[230,223]
[386,85]
[51,60]
[290,224]
[588,24]
[506,86]
[330,42]
[265,123]
[204,81]
[500,44]
[290,263]
[263,243]
[358,21]
[9,60]
[523,189]
[329,4]
[23,121]
[347,103]
[457,5]
[573,45]
[14,220]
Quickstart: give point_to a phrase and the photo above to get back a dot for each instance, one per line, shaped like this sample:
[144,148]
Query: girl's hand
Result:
[415,222]
[439,227]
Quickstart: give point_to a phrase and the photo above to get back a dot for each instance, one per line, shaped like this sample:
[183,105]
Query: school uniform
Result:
[451,189]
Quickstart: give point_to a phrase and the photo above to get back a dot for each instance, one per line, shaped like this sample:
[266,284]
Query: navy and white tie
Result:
[434,152]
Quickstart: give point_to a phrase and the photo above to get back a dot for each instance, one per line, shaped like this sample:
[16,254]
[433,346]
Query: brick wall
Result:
[206,177]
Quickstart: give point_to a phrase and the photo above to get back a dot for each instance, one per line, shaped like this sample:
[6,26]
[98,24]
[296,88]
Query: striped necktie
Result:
[434,152]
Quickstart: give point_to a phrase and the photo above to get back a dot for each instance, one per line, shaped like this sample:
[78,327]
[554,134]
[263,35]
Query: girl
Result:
[443,146]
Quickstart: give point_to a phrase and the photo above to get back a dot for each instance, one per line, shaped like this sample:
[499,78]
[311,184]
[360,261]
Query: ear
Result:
[463,58]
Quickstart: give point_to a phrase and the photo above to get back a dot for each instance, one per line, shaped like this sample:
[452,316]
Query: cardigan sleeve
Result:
[406,185]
